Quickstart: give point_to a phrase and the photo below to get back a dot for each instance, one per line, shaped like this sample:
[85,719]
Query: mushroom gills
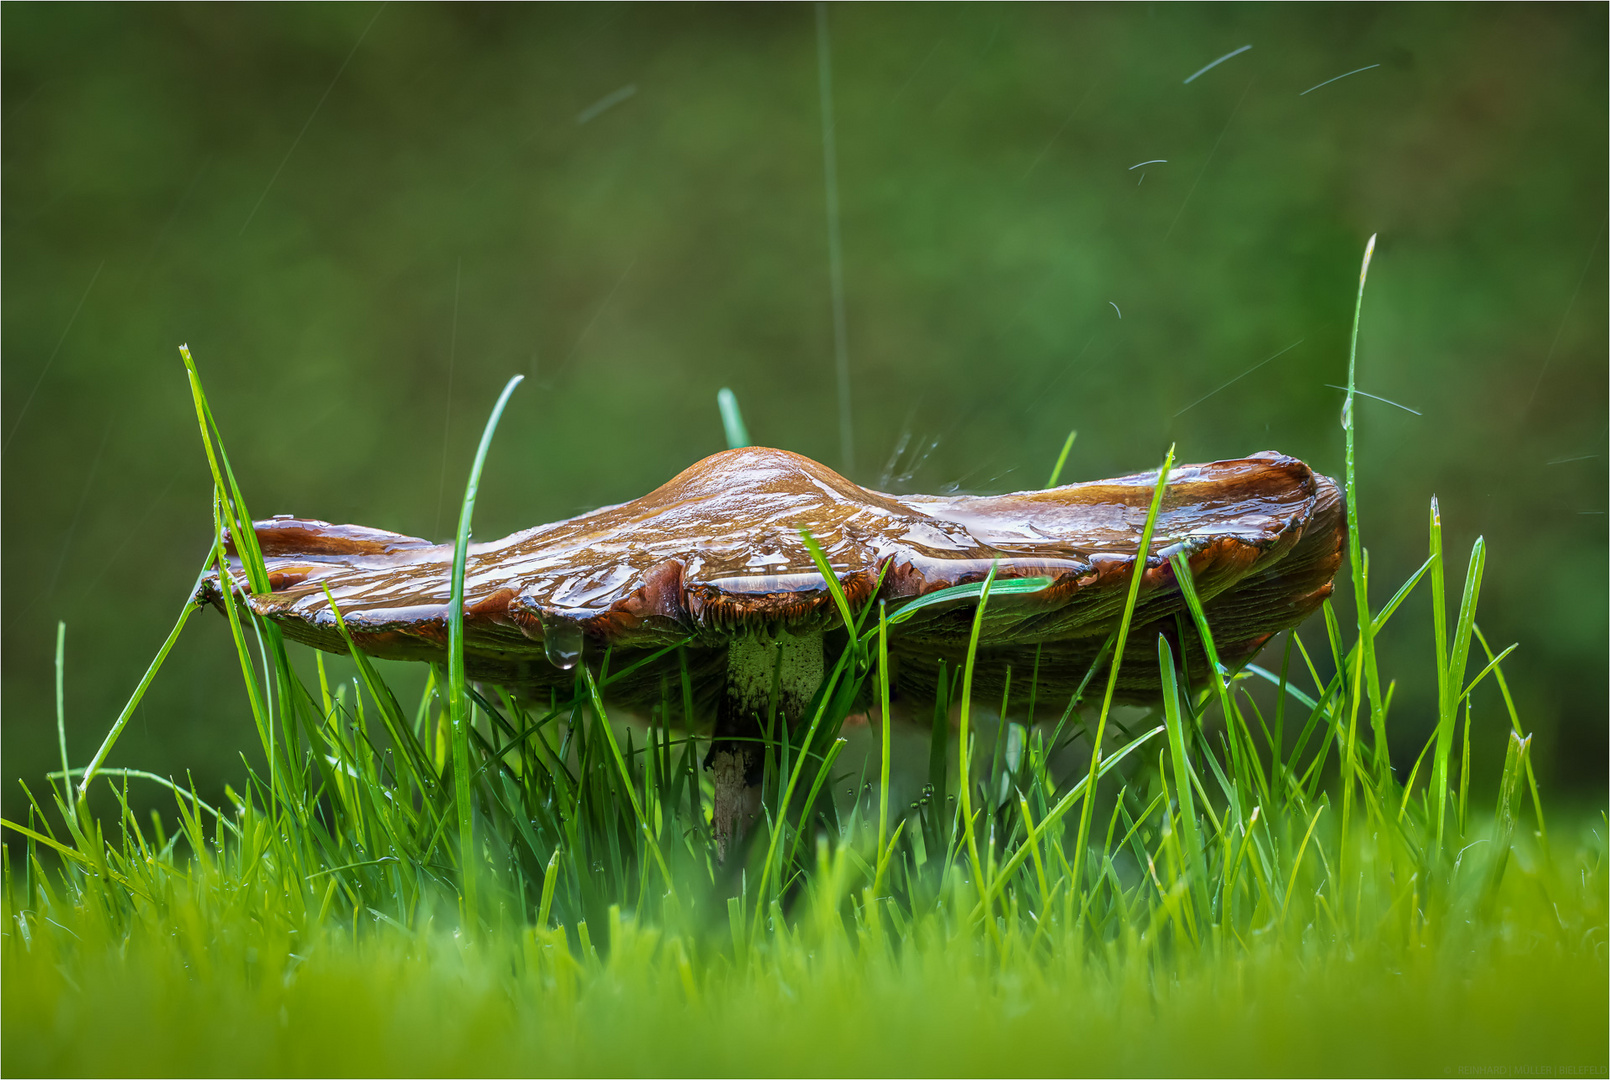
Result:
[737,750]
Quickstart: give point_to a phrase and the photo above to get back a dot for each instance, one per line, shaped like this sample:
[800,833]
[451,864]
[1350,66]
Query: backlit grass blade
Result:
[628,785]
[1451,682]
[1439,626]
[1138,571]
[732,421]
[883,756]
[1515,726]
[457,698]
[1012,587]
[1297,863]
[1057,812]
[236,517]
[1492,665]
[61,703]
[963,747]
[1398,597]
[226,592]
[419,766]
[1196,865]
[1062,459]
[1355,547]
[1241,745]
[770,871]
[831,580]
[1509,786]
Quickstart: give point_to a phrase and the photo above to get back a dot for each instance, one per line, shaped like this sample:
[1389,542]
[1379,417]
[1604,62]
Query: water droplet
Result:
[927,791]
[561,641]
[1347,414]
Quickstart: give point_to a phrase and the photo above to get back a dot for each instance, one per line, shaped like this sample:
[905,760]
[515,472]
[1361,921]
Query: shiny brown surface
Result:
[716,552]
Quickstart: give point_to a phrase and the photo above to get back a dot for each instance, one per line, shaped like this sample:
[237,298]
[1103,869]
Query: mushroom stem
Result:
[737,753]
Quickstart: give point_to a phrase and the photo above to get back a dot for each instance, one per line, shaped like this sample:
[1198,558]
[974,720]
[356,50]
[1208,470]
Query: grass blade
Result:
[732,421]
[1184,777]
[1136,574]
[457,697]
[1062,459]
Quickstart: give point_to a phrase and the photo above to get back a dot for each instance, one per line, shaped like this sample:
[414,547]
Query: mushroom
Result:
[715,558]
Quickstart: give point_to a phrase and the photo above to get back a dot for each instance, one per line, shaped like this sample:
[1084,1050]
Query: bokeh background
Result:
[364,219]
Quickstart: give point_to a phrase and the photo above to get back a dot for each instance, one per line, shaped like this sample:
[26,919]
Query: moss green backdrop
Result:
[364,219]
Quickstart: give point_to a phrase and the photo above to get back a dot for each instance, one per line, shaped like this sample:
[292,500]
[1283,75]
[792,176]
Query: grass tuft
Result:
[483,884]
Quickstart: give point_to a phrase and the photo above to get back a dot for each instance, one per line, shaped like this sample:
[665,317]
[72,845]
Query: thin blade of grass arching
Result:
[823,775]
[1515,725]
[1196,863]
[627,782]
[225,517]
[972,591]
[1355,550]
[1335,729]
[963,764]
[854,651]
[286,782]
[1515,765]
[1039,829]
[1398,597]
[457,697]
[1492,665]
[1062,459]
[236,516]
[190,606]
[1319,711]
[1136,574]
[239,520]
[260,716]
[421,772]
[1246,755]
[838,698]
[1078,694]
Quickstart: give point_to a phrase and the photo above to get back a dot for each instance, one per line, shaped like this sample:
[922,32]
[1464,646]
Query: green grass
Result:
[479,885]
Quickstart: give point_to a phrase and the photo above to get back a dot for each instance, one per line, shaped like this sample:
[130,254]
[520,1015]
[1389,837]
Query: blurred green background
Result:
[364,219]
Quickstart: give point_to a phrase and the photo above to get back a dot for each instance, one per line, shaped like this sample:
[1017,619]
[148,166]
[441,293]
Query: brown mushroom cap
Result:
[716,553]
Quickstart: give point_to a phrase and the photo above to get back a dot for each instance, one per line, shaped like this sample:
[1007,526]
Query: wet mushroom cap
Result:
[716,555]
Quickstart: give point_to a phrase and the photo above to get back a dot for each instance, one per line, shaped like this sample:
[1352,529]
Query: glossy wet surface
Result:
[717,552]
